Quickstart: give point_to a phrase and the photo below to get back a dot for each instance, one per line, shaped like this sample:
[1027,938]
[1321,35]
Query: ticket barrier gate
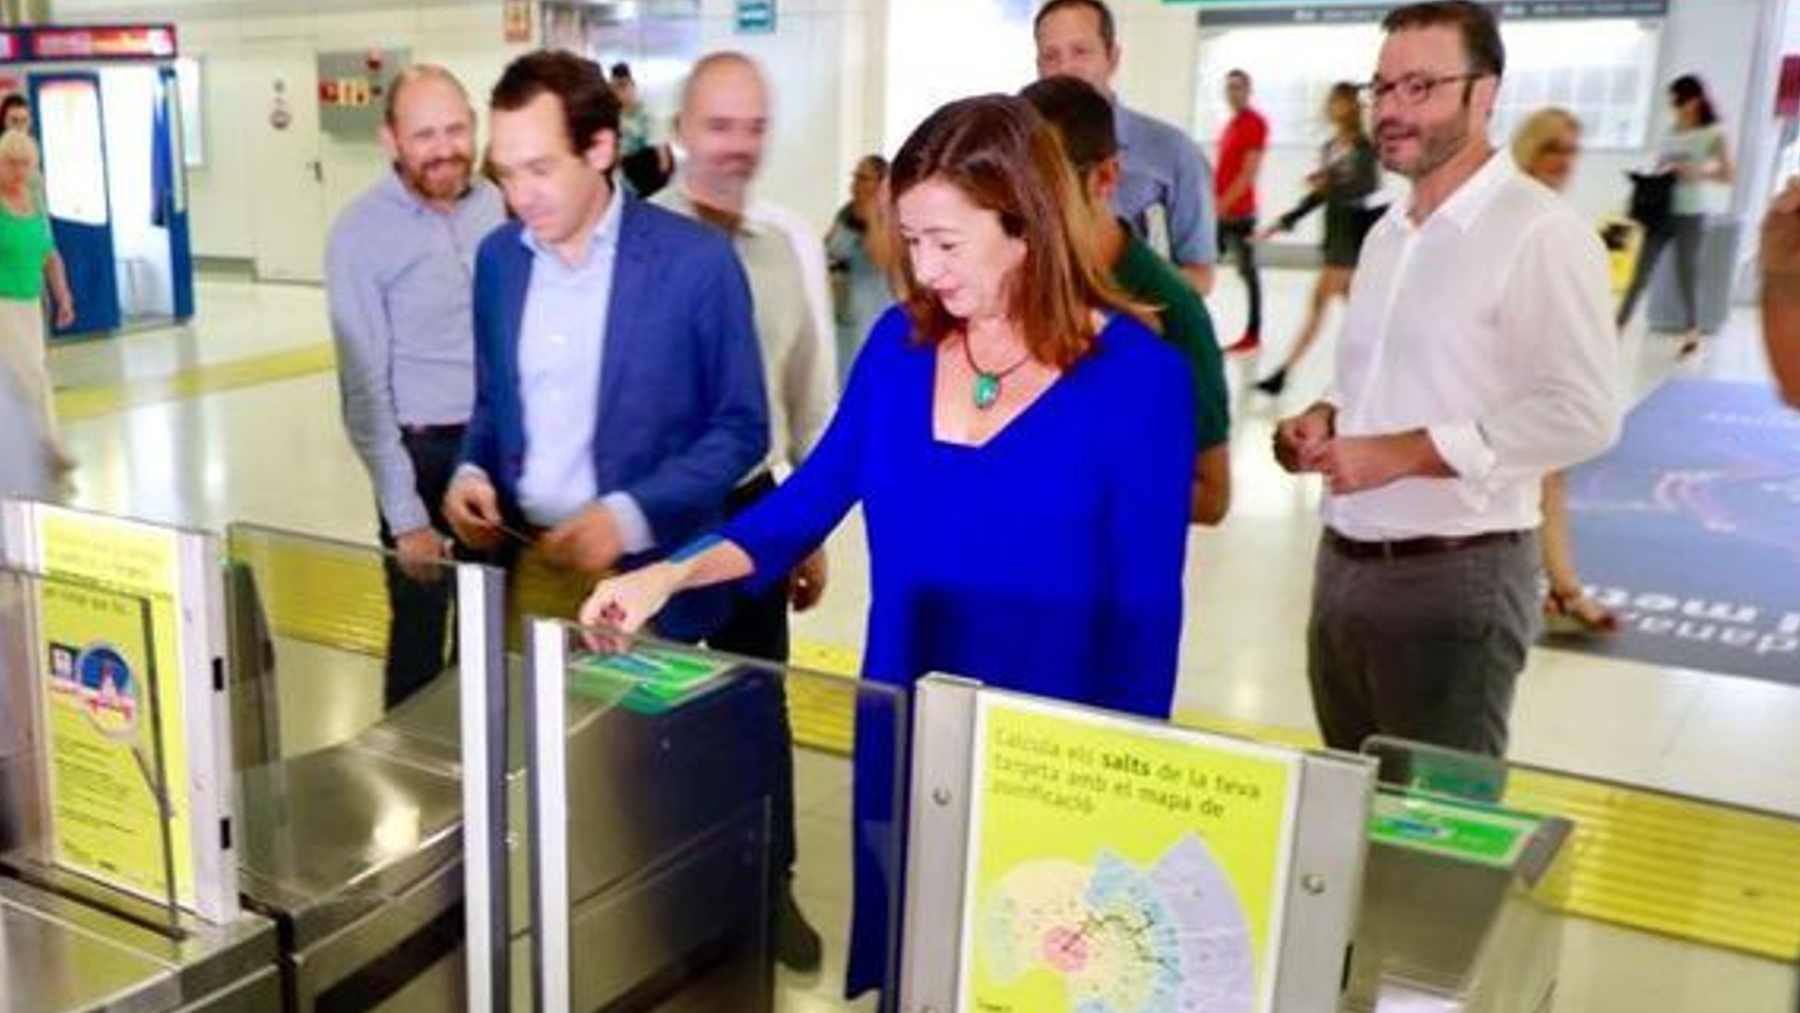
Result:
[356,851]
[1454,915]
[362,851]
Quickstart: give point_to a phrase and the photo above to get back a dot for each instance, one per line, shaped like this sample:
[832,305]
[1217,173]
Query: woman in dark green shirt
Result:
[28,261]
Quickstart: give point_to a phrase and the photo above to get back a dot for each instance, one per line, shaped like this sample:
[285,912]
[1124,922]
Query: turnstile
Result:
[356,852]
[1455,915]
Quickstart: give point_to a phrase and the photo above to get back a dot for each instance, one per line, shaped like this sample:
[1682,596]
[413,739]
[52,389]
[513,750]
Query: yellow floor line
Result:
[1708,873]
[75,403]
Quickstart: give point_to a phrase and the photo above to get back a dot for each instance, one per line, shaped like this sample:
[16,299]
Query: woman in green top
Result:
[28,260]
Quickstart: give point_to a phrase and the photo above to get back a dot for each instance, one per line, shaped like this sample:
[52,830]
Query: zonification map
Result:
[1172,938]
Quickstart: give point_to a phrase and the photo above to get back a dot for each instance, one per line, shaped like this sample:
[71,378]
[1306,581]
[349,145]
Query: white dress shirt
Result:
[1489,325]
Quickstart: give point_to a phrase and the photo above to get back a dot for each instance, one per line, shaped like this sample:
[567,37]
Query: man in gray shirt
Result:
[398,272]
[1165,173]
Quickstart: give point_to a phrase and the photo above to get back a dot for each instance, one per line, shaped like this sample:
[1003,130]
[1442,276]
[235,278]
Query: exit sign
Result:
[755,17]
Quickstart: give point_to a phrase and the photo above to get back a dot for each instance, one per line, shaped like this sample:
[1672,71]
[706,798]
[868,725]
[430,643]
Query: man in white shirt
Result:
[723,123]
[1478,355]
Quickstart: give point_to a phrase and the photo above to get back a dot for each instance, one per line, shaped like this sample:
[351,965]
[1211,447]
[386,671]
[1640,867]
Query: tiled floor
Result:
[276,454]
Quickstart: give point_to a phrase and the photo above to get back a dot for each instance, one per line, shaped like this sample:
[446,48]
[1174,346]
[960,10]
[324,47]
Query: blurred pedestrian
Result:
[1241,149]
[1545,148]
[1698,153]
[29,264]
[1348,174]
[859,282]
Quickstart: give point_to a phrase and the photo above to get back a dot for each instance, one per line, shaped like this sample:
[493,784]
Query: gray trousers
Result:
[1687,232]
[1426,648]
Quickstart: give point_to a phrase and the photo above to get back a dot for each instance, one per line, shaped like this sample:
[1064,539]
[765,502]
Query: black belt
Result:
[1409,547]
[745,496]
[453,431]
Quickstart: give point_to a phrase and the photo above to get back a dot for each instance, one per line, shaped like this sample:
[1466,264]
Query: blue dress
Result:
[1049,560]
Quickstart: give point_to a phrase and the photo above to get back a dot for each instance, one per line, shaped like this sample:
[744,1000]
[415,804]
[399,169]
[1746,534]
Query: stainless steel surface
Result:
[1470,937]
[50,965]
[481,641]
[332,835]
[332,963]
[58,954]
[645,789]
[547,788]
[704,903]
[259,993]
[944,728]
[1326,882]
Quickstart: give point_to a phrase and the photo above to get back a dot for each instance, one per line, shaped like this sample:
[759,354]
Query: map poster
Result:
[106,821]
[1121,867]
[135,559]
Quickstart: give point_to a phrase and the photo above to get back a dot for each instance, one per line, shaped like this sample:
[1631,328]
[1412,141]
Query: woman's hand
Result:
[65,312]
[1268,232]
[627,602]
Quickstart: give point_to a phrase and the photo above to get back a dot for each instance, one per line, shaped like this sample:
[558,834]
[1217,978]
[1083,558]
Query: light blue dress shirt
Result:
[397,284]
[1164,168]
[562,349]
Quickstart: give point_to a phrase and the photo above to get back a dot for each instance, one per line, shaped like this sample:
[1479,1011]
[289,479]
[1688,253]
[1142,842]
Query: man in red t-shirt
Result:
[1240,157]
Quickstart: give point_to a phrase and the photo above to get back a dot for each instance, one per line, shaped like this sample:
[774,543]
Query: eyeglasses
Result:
[1413,89]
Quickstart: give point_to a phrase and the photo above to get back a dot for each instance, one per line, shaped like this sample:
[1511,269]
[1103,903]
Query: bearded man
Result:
[398,278]
[1478,355]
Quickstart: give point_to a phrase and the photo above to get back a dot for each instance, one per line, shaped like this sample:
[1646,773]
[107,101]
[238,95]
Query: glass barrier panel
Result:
[1619,897]
[85,803]
[346,716]
[329,638]
[713,829]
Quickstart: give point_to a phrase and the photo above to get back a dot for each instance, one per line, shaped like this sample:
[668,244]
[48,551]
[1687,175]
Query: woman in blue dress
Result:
[1022,447]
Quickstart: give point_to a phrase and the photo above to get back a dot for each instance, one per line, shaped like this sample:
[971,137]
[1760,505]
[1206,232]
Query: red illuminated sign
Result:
[151,41]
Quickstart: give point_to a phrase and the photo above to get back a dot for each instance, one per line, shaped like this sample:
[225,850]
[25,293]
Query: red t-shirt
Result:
[1246,132]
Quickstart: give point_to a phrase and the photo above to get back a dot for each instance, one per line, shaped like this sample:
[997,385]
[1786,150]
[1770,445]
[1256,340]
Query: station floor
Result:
[235,417]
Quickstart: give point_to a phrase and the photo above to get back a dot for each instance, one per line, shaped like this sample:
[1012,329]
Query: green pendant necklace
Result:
[987,385]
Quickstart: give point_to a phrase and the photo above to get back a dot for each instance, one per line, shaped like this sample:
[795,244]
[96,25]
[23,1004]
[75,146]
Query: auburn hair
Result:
[1007,159]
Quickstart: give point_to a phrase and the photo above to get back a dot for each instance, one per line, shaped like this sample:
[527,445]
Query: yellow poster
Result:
[105,819]
[139,560]
[1121,867]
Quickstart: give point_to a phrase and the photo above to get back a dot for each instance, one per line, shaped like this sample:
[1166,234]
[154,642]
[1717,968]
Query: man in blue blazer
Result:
[619,392]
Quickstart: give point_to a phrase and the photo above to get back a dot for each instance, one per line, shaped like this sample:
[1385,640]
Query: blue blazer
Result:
[683,412]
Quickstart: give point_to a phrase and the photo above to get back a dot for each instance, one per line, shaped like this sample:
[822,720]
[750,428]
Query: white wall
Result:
[850,76]
[817,60]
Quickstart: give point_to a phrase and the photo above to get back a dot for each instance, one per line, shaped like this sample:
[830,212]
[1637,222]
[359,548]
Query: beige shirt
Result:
[1489,325]
[799,360]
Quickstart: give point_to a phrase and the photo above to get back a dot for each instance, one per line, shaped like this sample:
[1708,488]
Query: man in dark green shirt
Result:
[1084,118]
